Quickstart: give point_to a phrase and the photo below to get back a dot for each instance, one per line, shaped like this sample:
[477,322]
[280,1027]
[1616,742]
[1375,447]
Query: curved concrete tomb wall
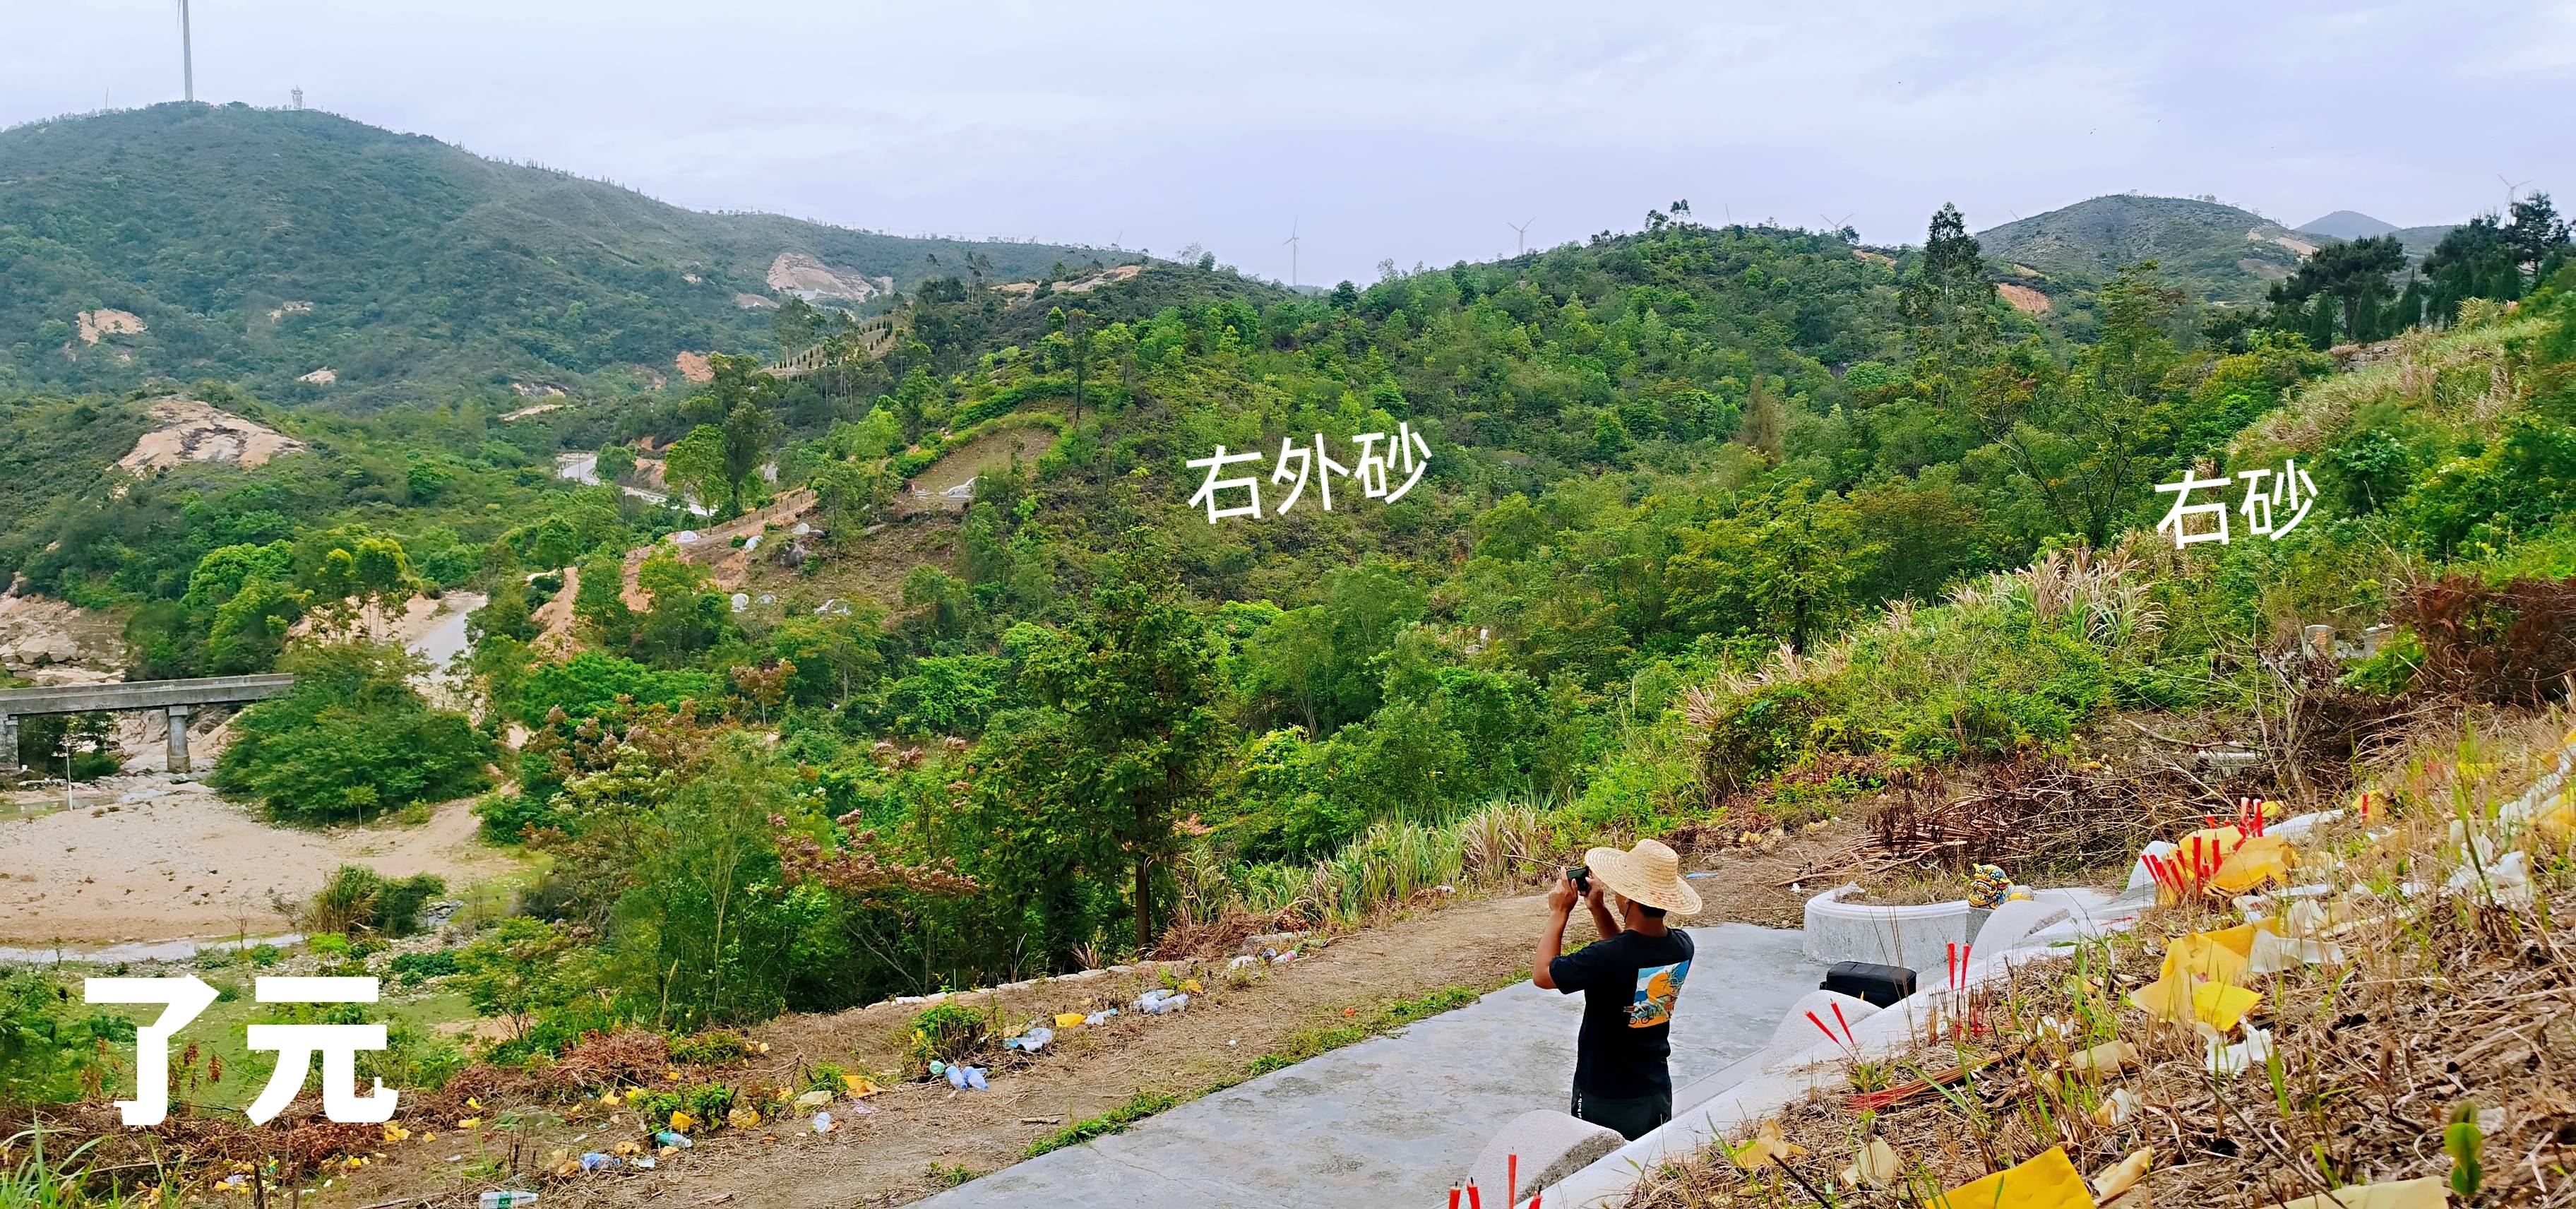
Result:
[1912,937]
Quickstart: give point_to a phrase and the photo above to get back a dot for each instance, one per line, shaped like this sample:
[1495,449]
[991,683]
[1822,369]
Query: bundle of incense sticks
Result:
[1842,1039]
[1959,965]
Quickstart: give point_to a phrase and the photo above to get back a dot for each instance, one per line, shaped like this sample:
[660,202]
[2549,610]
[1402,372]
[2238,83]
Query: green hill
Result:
[2217,252]
[261,246]
[2346,224]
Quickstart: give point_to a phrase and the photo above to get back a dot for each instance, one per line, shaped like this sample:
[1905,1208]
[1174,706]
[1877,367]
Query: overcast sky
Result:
[1388,130]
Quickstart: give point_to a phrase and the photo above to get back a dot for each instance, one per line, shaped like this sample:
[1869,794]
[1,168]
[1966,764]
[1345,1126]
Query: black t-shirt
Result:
[1629,983]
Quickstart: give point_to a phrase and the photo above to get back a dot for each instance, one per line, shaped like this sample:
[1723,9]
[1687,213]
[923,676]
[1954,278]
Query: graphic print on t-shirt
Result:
[1657,988]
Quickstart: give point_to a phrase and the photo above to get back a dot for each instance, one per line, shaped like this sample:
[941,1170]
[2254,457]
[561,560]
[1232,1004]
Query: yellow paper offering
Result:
[2262,859]
[2047,1182]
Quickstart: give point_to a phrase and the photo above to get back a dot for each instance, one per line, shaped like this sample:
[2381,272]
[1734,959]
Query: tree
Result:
[616,463]
[2535,232]
[695,466]
[353,738]
[1949,304]
[1134,678]
[2354,273]
[738,404]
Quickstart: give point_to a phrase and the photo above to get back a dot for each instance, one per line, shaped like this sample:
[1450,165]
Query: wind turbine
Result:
[1830,225]
[1521,232]
[2510,188]
[1291,241]
[187,56]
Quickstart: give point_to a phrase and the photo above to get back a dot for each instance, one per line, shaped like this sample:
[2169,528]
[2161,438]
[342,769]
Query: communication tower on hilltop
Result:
[298,94]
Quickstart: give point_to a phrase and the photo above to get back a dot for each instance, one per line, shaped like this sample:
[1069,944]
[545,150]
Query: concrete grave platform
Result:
[1391,1120]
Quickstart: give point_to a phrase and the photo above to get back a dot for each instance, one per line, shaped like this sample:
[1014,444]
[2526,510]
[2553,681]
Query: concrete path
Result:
[1392,1120]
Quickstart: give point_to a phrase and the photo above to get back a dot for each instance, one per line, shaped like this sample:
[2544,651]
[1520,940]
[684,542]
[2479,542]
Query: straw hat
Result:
[1648,873]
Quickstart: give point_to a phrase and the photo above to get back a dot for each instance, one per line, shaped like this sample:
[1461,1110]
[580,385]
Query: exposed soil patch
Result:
[810,279]
[195,431]
[106,321]
[2023,298]
[183,862]
[694,367]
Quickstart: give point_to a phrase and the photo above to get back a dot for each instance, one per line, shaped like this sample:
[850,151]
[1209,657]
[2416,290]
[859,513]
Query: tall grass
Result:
[63,1181]
[1389,863]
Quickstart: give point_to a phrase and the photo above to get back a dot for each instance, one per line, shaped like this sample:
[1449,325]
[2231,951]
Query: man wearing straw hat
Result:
[1630,980]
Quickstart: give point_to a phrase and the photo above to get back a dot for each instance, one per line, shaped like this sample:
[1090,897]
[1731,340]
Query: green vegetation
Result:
[410,268]
[352,739]
[1310,1041]
[1721,526]
[1138,1107]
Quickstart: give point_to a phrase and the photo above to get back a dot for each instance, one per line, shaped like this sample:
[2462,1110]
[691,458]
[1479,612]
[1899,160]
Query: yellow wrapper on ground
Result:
[2263,859]
[2426,1193]
[2047,1182]
[2176,999]
[2219,956]
[1069,1019]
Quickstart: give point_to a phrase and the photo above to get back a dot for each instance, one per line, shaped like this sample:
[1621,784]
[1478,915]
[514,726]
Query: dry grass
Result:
[2448,1007]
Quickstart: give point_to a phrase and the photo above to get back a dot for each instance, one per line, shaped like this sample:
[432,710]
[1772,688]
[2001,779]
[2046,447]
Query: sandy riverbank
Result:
[186,863]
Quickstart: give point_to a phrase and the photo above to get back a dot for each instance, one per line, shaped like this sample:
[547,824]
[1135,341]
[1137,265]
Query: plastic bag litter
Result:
[814,1099]
[1031,1041]
[2234,1059]
[1240,962]
[2504,883]
[600,1161]
[822,1122]
[1101,1017]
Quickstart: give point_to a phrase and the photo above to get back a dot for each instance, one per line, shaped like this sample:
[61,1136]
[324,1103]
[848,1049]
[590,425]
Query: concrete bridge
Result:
[178,697]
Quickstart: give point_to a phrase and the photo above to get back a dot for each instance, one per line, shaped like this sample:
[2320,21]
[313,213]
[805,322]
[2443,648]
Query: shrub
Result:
[412,968]
[710,1048]
[948,1032]
[353,739]
[357,899]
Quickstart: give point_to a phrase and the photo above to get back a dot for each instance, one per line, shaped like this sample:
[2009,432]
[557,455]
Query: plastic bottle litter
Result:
[1098,1018]
[506,1200]
[1158,1001]
[669,1138]
[968,1078]
[600,1160]
[1031,1041]
[937,1068]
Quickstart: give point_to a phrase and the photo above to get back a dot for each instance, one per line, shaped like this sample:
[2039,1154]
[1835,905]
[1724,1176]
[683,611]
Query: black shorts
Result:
[1632,1116]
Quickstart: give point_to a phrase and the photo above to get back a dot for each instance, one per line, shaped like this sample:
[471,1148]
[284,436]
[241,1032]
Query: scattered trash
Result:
[672,1138]
[743,1116]
[506,1199]
[2426,1193]
[2116,1107]
[1158,1001]
[2227,1059]
[1098,1018]
[1240,962]
[965,1078]
[937,1068]
[2046,1182]
[1070,1020]
[1767,1146]
[1031,1041]
[2502,883]
[1876,1166]
[2110,1057]
[599,1160]
[822,1122]
[814,1099]
[2124,1175]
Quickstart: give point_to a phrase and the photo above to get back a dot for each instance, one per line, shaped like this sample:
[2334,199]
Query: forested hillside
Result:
[262,246]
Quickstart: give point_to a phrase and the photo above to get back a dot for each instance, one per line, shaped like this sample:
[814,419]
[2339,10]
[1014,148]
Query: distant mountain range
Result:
[319,259]
[2352,224]
[2219,253]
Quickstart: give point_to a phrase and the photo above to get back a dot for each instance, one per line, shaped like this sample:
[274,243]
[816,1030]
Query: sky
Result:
[1411,132]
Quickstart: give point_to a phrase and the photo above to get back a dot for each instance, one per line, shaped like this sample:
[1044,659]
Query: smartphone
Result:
[1581,876]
